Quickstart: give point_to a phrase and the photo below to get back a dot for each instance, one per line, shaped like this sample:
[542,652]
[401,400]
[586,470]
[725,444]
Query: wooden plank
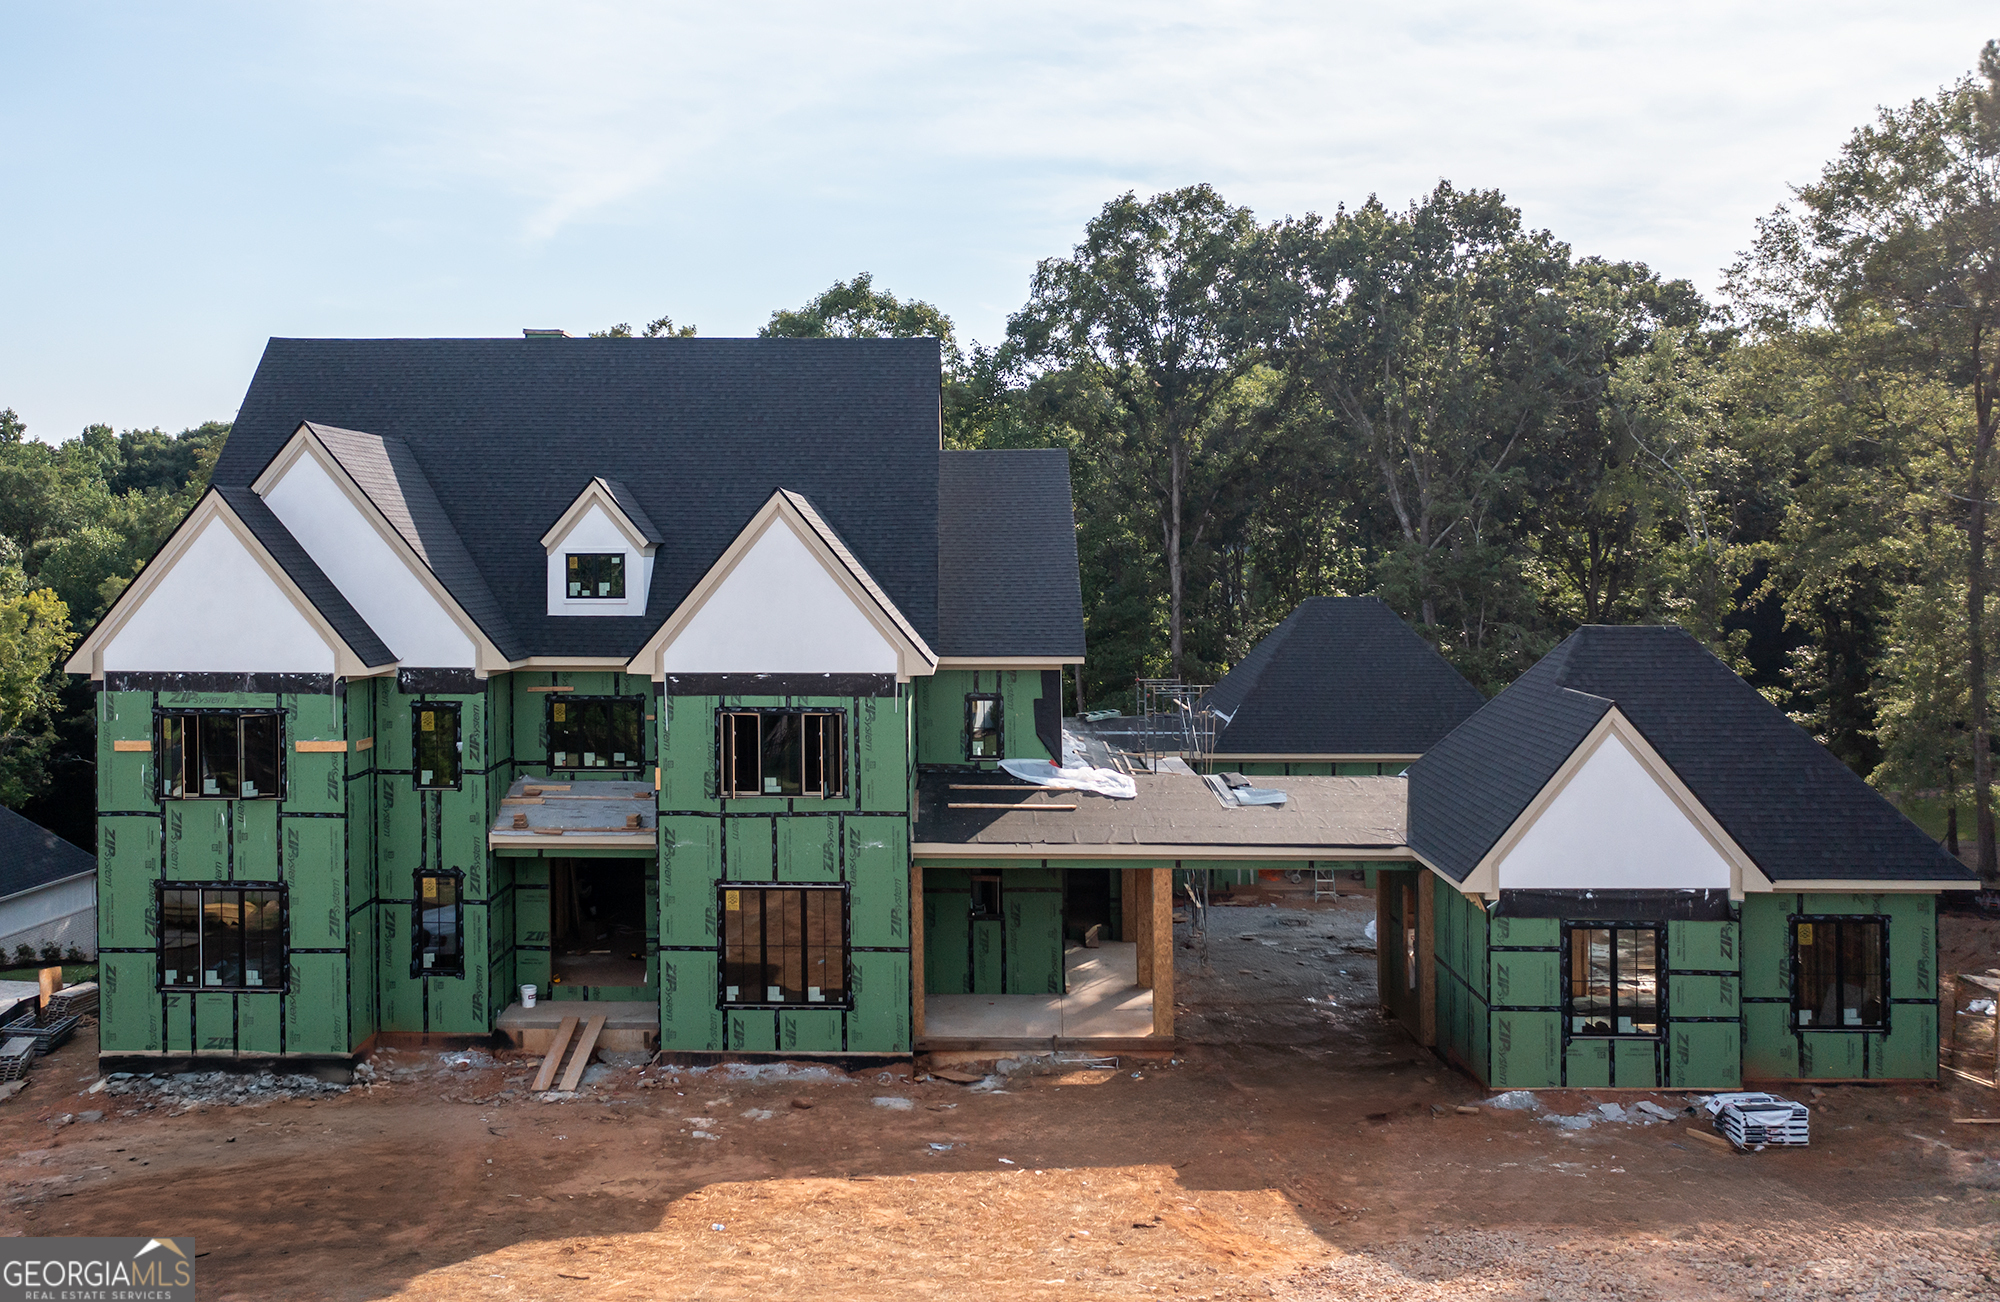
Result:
[1001,804]
[551,689]
[1162,899]
[319,747]
[140,746]
[522,800]
[554,1060]
[582,1056]
[1142,923]
[366,743]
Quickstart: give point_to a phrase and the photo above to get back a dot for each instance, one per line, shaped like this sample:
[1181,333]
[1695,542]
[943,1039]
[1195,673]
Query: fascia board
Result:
[1326,758]
[1007,662]
[89,655]
[913,658]
[305,443]
[560,663]
[1836,886]
[1744,875]
[595,492]
[1067,850]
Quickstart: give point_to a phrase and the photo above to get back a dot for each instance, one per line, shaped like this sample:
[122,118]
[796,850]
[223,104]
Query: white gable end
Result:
[1613,827]
[779,612]
[217,610]
[595,531]
[371,574]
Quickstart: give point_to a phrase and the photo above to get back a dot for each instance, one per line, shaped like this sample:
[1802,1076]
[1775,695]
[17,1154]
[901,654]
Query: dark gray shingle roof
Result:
[32,856]
[698,432]
[1341,676]
[1007,571]
[633,511]
[1798,812]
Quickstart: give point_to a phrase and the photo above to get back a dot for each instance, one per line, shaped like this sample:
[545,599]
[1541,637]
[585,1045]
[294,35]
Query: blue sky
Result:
[178,183]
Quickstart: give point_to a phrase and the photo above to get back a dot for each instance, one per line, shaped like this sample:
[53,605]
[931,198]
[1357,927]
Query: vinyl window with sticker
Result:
[1614,980]
[596,732]
[784,946]
[782,753]
[1839,974]
[221,755]
[595,576]
[438,935]
[982,727]
[438,745]
[222,937]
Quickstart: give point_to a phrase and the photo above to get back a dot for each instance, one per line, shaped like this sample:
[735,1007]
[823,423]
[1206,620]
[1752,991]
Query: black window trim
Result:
[457,709]
[1659,930]
[161,713]
[999,727]
[1792,922]
[160,889]
[844,1004]
[624,564]
[638,764]
[724,791]
[417,968]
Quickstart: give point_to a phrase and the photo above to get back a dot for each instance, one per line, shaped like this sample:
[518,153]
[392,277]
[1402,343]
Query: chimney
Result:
[544,334]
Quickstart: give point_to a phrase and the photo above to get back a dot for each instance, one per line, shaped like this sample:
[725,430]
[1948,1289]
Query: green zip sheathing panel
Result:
[1525,995]
[947,931]
[1775,1048]
[299,839]
[1704,1029]
[532,955]
[1464,1019]
[859,839]
[940,707]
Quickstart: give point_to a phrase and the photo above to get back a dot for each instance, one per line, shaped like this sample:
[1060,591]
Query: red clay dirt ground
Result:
[1298,1149]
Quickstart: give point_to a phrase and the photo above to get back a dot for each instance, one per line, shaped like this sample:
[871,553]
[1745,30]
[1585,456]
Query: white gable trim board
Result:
[781,601]
[371,564]
[599,527]
[1615,816]
[213,601]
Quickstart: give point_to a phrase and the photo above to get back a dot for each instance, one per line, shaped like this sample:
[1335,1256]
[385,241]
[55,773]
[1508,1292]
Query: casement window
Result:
[437,745]
[221,755]
[783,753]
[596,732]
[596,575]
[437,937]
[784,946]
[1838,973]
[222,937]
[1614,980]
[982,727]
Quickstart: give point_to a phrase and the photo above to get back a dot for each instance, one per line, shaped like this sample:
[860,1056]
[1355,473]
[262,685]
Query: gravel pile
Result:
[213,1088]
[1864,1266]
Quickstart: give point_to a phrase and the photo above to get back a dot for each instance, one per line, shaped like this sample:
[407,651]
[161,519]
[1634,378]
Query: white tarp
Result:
[1078,777]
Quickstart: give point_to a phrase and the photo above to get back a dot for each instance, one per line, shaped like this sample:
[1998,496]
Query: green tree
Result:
[855,309]
[35,635]
[658,328]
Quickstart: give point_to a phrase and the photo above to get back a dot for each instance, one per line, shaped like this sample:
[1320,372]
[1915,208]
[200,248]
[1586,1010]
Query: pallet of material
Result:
[46,1037]
[15,1055]
[1749,1120]
[76,1000]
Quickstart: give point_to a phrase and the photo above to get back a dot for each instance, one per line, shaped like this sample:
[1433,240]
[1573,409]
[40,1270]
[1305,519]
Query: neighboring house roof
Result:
[32,856]
[1341,676]
[1798,812]
[1007,572]
[695,432]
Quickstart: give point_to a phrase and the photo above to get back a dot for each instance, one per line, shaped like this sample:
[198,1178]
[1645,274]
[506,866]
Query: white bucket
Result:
[527,996]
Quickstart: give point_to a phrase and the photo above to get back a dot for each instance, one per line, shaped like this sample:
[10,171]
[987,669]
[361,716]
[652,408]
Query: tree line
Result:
[1502,438]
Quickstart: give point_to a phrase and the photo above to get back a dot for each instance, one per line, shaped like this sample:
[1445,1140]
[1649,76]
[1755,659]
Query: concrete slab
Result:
[1104,1001]
[630,1025]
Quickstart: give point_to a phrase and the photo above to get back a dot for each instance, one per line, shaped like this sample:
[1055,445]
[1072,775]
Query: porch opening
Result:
[597,921]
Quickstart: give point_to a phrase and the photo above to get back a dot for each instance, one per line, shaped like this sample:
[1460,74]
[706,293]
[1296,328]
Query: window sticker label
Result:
[1805,933]
[733,902]
[252,977]
[774,995]
[559,712]
[429,720]
[729,993]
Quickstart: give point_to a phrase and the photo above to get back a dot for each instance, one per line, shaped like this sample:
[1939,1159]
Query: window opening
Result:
[784,945]
[782,753]
[1838,981]
[982,727]
[222,938]
[1409,938]
[438,745]
[220,755]
[1614,981]
[596,732]
[438,937]
[597,921]
[597,576]
[986,895]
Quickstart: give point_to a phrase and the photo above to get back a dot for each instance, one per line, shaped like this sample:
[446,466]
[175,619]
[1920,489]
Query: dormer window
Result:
[596,576]
[600,553]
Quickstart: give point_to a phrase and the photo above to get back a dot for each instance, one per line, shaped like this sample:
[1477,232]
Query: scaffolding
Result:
[1171,720]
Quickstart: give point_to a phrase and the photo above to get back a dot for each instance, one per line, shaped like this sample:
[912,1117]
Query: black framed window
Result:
[222,937]
[437,744]
[437,937]
[782,753]
[982,727]
[597,732]
[1614,980]
[597,576]
[784,945]
[221,755]
[1840,972]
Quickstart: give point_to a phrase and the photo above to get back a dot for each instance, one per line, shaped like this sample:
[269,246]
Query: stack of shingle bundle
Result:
[1751,1120]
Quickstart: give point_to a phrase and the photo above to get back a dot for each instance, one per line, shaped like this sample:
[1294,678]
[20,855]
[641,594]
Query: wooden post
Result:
[1383,931]
[916,953]
[1427,1002]
[1142,916]
[1128,904]
[1161,896]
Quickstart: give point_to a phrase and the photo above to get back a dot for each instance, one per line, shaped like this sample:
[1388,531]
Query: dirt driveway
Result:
[1298,1149]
